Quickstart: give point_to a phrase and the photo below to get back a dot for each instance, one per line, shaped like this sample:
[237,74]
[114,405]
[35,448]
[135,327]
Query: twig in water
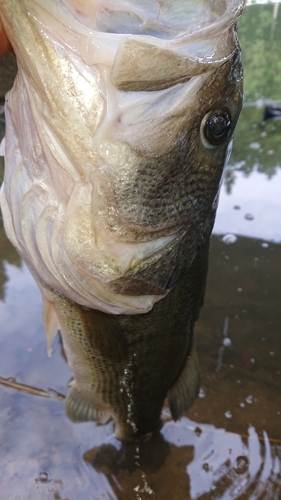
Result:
[13,384]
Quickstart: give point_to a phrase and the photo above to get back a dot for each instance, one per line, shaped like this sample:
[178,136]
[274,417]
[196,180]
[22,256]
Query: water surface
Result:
[228,446]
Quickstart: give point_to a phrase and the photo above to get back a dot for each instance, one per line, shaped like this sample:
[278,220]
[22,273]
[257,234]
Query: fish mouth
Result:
[163,19]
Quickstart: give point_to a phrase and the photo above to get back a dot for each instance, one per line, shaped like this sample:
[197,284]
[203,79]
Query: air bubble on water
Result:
[242,464]
[43,478]
[198,431]
[242,405]
[252,360]
[228,414]
[206,467]
[201,393]
[227,342]
[265,245]
[271,353]
[270,152]
[254,145]
[249,400]
[249,216]
[229,239]
[239,289]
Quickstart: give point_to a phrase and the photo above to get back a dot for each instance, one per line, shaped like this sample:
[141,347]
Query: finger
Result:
[5,45]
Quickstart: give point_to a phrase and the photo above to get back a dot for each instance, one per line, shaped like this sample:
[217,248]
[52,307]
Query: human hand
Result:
[5,45]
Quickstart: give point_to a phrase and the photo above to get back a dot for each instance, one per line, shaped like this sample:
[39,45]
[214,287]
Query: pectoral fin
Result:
[185,391]
[80,409]
[51,323]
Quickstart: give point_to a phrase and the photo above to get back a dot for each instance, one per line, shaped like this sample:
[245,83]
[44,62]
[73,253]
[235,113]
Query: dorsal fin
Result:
[51,323]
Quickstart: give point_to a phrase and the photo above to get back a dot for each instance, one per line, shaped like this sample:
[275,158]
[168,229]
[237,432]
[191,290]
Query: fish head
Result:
[119,202]
[166,138]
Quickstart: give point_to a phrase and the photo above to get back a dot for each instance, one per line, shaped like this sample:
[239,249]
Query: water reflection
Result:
[7,252]
[250,206]
[230,446]
[7,256]
[185,461]
[257,144]
[203,462]
[259,36]
[250,203]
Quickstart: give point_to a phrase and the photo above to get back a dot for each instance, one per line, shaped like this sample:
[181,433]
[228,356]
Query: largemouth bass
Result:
[119,125]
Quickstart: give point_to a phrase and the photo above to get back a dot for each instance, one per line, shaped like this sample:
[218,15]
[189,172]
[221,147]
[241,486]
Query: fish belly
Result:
[124,366]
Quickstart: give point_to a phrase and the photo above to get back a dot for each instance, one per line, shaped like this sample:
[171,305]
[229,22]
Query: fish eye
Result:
[216,127]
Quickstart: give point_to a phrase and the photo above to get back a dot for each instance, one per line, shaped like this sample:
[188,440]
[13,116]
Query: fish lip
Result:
[228,18]
[233,10]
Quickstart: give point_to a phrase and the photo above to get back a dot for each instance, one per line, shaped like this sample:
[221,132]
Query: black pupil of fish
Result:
[218,127]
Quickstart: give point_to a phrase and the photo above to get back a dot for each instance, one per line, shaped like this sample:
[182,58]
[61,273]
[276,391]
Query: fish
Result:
[118,129]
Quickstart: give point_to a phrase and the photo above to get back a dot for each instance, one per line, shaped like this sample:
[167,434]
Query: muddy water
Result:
[228,446]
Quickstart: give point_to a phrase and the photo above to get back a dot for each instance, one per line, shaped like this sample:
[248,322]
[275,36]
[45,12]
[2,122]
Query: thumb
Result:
[5,45]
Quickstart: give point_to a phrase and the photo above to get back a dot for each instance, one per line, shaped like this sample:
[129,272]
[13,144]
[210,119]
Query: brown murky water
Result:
[229,445]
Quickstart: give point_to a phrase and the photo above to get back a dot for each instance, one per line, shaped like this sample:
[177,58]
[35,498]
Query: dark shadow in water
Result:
[151,469]
[149,454]
[187,462]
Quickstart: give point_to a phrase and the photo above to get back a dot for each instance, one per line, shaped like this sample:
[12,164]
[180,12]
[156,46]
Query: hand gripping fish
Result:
[118,127]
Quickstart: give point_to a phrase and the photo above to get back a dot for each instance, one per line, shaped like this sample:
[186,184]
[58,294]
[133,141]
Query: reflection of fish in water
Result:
[115,147]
